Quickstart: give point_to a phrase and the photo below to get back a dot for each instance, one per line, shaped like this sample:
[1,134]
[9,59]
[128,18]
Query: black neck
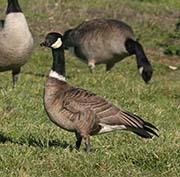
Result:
[13,6]
[58,61]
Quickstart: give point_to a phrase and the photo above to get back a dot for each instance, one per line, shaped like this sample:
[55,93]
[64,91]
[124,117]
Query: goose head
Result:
[53,40]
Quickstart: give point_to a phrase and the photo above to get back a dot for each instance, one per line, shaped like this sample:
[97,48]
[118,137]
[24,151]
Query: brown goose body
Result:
[101,40]
[81,111]
[105,41]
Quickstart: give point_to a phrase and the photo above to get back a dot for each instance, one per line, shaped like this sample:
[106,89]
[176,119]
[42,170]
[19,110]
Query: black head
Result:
[53,40]
[146,72]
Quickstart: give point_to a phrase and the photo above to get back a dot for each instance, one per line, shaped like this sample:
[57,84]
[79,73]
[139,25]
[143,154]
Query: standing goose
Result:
[80,111]
[16,40]
[106,41]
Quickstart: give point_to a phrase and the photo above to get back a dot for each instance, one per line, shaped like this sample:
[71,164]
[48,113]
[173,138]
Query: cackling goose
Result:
[106,41]
[81,111]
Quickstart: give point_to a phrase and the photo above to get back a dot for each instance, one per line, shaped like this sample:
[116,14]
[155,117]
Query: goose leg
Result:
[91,65]
[1,23]
[85,125]
[79,140]
[109,67]
[15,74]
[87,144]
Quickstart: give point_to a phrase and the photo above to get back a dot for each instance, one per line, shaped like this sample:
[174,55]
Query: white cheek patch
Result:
[141,70]
[57,44]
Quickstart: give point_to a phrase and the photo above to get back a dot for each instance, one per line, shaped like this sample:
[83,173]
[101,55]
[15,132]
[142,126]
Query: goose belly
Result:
[105,52]
[14,58]
[12,55]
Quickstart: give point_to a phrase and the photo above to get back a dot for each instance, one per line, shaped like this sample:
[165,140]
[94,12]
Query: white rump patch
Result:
[108,128]
[57,44]
[141,70]
[55,75]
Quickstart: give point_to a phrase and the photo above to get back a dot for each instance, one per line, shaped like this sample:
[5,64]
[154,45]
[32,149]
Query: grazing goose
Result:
[106,41]
[16,41]
[81,111]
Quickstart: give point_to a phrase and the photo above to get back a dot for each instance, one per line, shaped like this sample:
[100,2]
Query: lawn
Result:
[32,146]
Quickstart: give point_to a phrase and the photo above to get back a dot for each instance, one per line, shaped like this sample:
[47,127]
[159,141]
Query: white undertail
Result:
[108,128]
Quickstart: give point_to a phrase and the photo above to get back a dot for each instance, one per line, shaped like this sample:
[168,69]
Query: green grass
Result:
[31,145]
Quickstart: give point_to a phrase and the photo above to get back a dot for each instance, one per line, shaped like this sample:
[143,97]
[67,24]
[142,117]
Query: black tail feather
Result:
[150,131]
[141,128]
[139,118]
[150,125]
[142,133]
[144,66]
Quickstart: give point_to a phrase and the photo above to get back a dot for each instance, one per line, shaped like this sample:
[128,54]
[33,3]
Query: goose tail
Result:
[138,126]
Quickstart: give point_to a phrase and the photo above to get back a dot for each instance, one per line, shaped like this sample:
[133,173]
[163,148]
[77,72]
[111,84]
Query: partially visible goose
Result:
[81,111]
[106,41]
[16,40]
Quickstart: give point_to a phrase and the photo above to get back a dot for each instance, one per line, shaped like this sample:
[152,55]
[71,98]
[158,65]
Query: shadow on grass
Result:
[34,141]
[38,74]
[35,74]
[4,139]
